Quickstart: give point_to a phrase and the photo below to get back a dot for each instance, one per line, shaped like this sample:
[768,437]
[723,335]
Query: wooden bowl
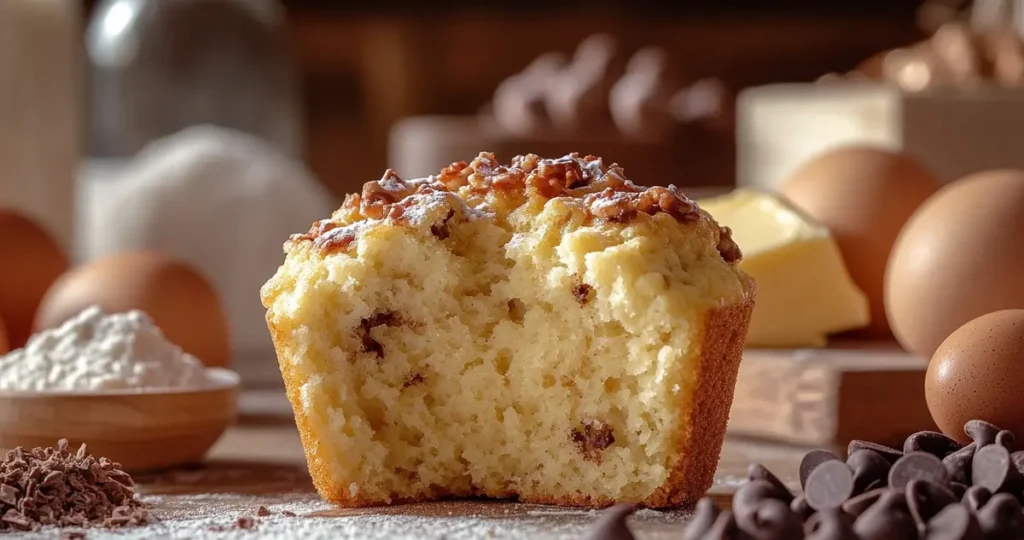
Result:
[141,430]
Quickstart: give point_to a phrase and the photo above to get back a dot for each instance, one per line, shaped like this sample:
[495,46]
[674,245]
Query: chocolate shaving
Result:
[53,487]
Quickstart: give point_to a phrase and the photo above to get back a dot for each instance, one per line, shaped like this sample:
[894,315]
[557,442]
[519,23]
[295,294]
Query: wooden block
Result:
[828,397]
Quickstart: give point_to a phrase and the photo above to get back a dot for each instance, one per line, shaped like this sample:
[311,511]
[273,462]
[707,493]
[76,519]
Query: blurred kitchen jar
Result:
[159,66]
[41,110]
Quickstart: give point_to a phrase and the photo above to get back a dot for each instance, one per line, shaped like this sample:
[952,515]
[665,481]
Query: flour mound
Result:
[94,351]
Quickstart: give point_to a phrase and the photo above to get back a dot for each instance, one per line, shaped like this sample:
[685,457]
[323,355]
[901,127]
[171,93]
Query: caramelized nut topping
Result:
[316,230]
[623,206]
[727,246]
[670,201]
[454,168]
[603,192]
[591,437]
[382,318]
[334,240]
[567,170]
[612,206]
[389,189]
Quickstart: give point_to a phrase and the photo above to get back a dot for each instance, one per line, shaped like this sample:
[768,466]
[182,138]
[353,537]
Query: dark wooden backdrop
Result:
[364,67]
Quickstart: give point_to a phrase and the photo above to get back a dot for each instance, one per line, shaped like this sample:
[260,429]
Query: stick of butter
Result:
[804,291]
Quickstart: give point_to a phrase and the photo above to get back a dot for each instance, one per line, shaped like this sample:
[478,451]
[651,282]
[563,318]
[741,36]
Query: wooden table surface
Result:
[260,463]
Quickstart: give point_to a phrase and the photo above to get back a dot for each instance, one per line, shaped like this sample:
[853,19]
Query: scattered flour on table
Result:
[215,517]
[94,351]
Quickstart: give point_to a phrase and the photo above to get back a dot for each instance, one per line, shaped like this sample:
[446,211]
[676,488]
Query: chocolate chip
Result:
[954,522]
[800,507]
[413,379]
[591,438]
[888,453]
[725,528]
[380,318]
[926,499]
[1001,517]
[975,497]
[992,468]
[245,522]
[263,511]
[857,505]
[932,442]
[887,519]
[288,513]
[772,520]
[981,432]
[869,468]
[829,525]
[582,293]
[704,517]
[756,471]
[1018,460]
[958,464]
[441,229]
[829,486]
[1005,438]
[916,465]
[811,460]
[750,496]
[612,524]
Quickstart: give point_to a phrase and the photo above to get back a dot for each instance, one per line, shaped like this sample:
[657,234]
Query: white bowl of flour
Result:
[114,382]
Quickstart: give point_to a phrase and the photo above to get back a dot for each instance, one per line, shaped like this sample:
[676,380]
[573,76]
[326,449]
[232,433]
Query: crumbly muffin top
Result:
[484,187]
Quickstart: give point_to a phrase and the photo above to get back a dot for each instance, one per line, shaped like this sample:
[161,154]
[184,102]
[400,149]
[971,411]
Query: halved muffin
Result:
[545,330]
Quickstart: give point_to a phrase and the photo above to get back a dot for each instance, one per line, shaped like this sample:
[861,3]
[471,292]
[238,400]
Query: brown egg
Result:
[864,195]
[960,256]
[178,298]
[30,261]
[976,374]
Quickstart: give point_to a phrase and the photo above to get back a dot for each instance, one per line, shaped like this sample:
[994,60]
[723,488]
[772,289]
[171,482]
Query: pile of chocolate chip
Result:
[54,487]
[933,488]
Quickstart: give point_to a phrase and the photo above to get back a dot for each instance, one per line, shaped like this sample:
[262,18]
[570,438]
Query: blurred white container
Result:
[953,132]
[41,110]
[158,66]
[222,200]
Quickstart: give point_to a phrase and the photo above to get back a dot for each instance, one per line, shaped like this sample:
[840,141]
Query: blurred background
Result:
[156,153]
[361,68]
